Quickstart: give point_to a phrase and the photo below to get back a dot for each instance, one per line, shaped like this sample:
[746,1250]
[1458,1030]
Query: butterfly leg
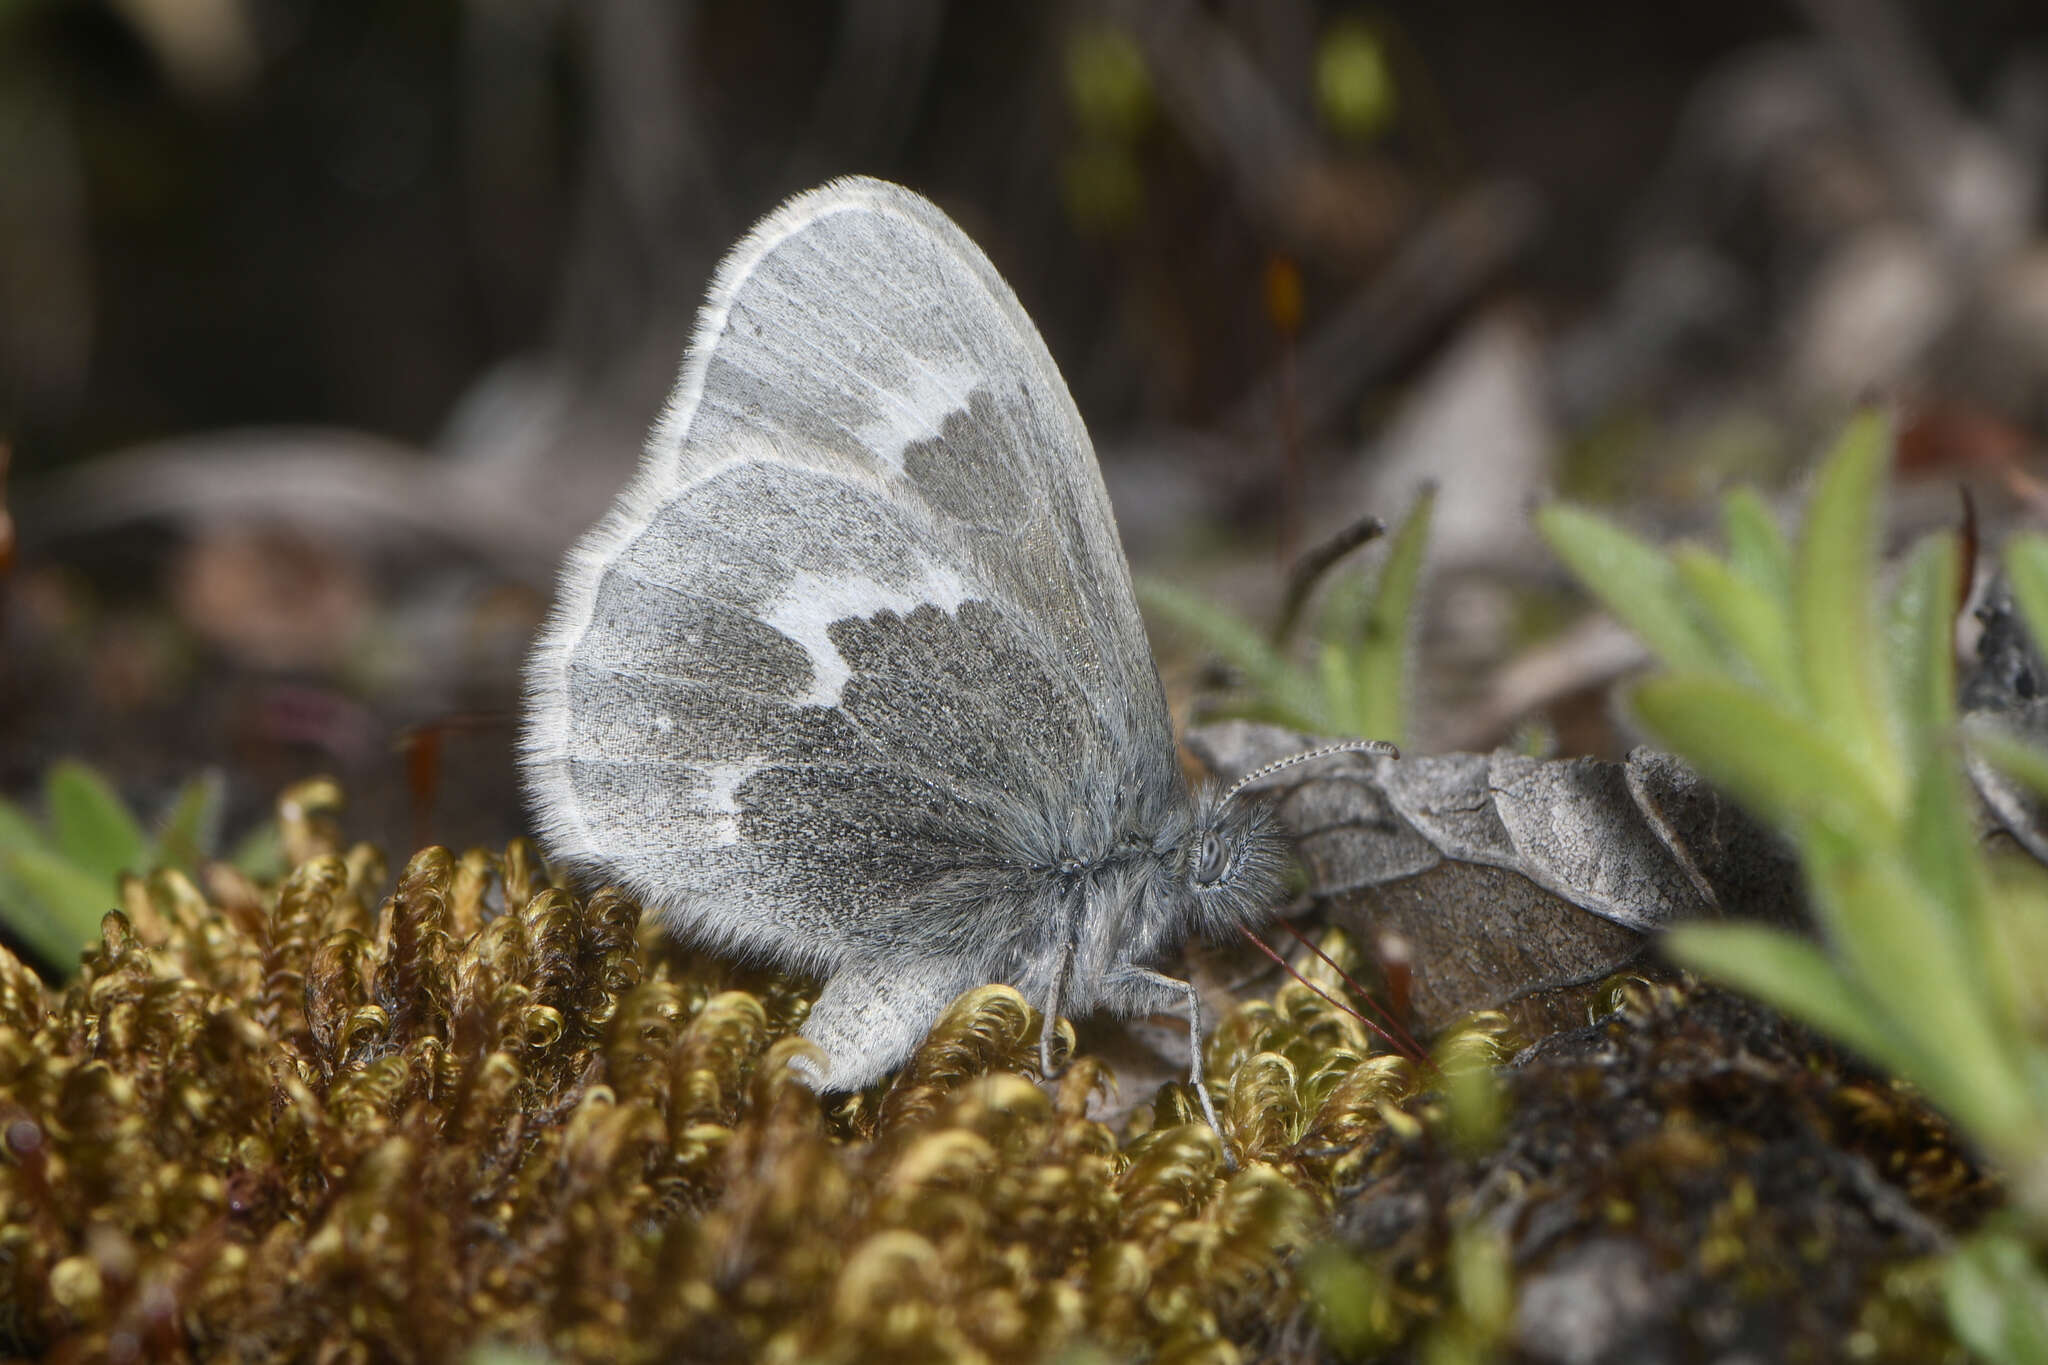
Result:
[1150,991]
[872,1015]
[1050,1014]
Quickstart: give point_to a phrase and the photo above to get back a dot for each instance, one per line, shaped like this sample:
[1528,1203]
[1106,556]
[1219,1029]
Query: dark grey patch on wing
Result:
[1033,541]
[963,695]
[969,471]
[887,861]
[655,631]
[978,749]
[1041,545]
[928,802]
[820,366]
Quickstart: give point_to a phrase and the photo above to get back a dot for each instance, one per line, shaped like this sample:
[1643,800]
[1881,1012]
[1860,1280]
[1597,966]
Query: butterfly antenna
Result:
[1378,748]
[1404,1042]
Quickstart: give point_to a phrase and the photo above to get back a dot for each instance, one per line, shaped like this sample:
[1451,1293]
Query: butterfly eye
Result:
[1209,862]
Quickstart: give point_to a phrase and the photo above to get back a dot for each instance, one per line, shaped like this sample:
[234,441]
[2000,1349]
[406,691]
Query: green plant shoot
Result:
[59,876]
[1835,721]
[1355,681]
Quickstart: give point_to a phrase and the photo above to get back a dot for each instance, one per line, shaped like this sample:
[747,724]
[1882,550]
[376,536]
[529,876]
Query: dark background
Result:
[400,283]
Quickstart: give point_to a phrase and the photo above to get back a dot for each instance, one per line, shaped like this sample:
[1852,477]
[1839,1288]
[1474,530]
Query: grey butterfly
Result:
[851,679]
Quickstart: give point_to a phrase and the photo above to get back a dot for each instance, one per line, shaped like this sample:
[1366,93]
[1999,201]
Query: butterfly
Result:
[851,679]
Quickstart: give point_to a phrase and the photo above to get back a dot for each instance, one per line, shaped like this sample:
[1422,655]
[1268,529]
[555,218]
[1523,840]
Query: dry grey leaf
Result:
[1515,883]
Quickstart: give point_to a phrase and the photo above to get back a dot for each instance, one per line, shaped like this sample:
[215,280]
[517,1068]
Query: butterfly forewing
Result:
[859,644]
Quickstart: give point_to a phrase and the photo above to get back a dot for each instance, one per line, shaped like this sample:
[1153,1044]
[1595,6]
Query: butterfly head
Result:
[1234,851]
[1231,861]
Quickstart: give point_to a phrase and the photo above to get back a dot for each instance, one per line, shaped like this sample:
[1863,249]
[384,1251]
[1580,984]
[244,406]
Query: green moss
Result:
[298,1122]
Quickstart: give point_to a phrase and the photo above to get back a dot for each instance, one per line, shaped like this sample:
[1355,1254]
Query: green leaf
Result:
[1346,600]
[260,853]
[1352,1302]
[1379,706]
[1775,762]
[1339,622]
[1941,847]
[1941,844]
[1290,697]
[17,830]
[1920,645]
[92,828]
[1998,1299]
[1966,882]
[1333,673]
[1480,1278]
[2026,565]
[1901,946]
[190,829]
[1635,582]
[1755,626]
[1838,642]
[1788,973]
[61,908]
[1757,549]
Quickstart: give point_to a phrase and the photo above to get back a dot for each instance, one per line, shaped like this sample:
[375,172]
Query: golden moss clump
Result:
[298,1123]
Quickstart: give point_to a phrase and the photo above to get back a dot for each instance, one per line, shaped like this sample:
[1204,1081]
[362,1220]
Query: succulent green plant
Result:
[1356,682]
[1834,717]
[57,875]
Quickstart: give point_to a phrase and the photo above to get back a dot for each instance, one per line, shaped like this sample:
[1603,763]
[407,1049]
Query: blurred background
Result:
[325,327]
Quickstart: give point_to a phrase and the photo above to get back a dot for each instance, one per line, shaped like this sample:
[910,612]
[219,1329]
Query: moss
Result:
[301,1122]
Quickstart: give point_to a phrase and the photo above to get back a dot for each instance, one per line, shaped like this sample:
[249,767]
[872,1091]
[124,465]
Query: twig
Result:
[1310,568]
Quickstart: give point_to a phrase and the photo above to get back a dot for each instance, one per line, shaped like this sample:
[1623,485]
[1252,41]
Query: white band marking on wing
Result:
[811,604]
[917,411]
[721,798]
